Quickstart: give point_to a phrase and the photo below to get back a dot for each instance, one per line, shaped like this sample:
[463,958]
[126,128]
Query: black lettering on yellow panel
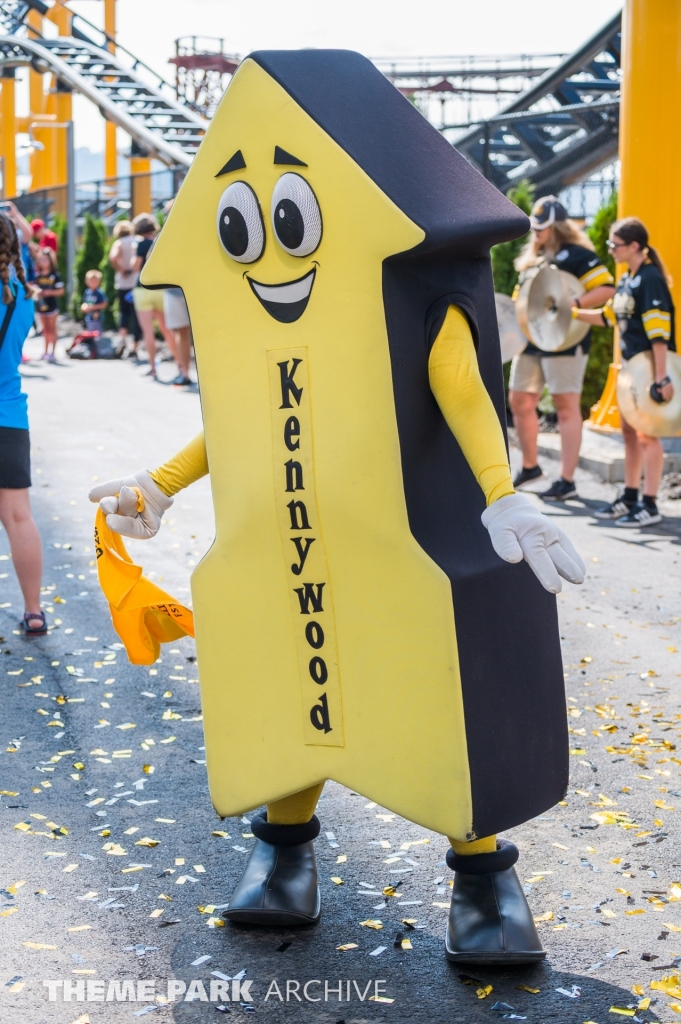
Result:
[310,584]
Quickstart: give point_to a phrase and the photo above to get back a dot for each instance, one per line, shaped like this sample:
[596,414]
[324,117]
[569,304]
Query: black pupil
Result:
[289,225]
[233,231]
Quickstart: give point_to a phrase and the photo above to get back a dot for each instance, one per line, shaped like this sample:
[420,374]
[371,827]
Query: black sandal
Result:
[31,630]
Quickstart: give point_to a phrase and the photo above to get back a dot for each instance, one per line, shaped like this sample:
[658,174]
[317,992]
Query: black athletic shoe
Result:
[560,490]
[618,508]
[639,515]
[181,381]
[526,475]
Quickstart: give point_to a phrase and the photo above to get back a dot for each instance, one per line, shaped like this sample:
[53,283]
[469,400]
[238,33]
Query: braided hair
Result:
[10,255]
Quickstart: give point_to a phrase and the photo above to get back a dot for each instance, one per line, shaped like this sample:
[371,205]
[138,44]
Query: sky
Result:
[376,28]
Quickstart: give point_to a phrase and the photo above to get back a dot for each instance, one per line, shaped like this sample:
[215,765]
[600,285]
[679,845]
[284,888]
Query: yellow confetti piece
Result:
[528,988]
[482,993]
[644,1003]
[676,1007]
[127,725]
[8,913]
[443,906]
[215,922]
[407,846]
[38,945]
[623,1011]
[370,923]
[114,850]
[222,835]
[13,889]
[169,739]
[578,750]
[80,928]
[638,990]
[662,805]
[129,871]
[348,945]
[22,826]
[607,912]
[148,769]
[69,868]
[672,927]
[380,999]
[548,916]
[8,792]
[406,944]
[336,880]
[156,913]
[342,859]
[146,841]
[559,846]
[632,913]
[17,986]
[163,896]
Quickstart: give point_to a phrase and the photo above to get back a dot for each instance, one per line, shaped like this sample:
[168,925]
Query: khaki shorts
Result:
[561,374]
[148,300]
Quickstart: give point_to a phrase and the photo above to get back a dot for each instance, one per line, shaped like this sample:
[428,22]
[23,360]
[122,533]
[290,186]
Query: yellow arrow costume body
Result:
[352,445]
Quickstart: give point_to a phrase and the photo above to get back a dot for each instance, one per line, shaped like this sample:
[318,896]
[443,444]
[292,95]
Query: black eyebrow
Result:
[235,163]
[282,157]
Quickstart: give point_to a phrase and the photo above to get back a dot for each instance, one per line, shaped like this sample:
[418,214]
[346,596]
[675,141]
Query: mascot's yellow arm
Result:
[456,383]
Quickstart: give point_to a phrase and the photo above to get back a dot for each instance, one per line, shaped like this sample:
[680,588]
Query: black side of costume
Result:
[506,623]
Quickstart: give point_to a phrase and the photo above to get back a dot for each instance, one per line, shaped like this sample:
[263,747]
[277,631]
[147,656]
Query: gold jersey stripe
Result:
[596,277]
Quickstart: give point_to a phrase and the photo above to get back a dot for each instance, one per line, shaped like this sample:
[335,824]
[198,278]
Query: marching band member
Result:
[558,240]
[643,310]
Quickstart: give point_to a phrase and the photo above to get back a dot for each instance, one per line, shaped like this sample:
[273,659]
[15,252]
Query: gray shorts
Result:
[561,374]
[175,309]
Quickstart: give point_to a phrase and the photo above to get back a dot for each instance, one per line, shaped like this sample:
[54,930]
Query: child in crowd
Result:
[49,288]
[94,302]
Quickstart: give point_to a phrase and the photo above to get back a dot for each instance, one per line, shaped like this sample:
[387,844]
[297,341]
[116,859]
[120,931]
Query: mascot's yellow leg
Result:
[486,845]
[296,809]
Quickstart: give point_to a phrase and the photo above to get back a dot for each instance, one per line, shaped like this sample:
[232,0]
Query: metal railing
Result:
[109,200]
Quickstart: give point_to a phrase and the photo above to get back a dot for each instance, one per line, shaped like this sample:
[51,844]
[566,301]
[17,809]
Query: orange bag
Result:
[143,615]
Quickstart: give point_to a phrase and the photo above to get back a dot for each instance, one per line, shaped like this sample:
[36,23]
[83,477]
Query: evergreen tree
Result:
[108,274]
[59,226]
[88,257]
[504,255]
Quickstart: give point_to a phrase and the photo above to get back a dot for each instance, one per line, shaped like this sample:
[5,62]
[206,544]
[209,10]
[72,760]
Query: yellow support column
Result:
[650,145]
[7,117]
[110,148]
[140,183]
[37,108]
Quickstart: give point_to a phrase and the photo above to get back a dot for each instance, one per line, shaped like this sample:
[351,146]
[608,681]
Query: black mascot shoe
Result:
[490,921]
[279,887]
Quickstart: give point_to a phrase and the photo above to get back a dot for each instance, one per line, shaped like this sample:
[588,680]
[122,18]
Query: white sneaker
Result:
[639,515]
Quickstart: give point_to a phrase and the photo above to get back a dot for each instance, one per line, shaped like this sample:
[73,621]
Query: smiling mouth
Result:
[285,302]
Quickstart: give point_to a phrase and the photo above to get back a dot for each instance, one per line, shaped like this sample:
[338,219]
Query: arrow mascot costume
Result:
[333,249]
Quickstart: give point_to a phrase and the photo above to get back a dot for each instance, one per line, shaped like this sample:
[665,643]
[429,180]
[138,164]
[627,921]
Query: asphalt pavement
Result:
[115,866]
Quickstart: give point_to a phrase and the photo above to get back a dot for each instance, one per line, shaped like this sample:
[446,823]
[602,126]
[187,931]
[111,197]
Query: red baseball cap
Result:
[37,224]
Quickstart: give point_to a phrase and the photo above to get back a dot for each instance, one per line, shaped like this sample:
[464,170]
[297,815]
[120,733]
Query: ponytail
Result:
[656,259]
[10,256]
[631,229]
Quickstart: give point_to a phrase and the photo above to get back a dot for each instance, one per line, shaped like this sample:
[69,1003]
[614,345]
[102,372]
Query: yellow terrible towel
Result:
[143,615]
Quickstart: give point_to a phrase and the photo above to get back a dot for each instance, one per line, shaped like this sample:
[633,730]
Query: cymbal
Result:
[633,396]
[512,339]
[544,309]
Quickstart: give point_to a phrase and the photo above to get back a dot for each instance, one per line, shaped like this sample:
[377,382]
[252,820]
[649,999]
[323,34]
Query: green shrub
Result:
[601,337]
[59,226]
[108,275]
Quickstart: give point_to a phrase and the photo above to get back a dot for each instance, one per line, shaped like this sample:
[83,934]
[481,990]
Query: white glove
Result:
[120,501]
[519,530]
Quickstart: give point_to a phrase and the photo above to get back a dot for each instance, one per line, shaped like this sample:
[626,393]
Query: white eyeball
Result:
[240,224]
[296,217]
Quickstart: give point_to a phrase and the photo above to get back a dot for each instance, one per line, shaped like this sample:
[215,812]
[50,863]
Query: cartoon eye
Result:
[296,217]
[240,223]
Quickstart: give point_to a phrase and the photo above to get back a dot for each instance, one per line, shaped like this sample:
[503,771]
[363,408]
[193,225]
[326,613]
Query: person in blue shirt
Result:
[16,319]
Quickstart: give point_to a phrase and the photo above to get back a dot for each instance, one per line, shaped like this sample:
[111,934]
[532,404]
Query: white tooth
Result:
[293,292]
